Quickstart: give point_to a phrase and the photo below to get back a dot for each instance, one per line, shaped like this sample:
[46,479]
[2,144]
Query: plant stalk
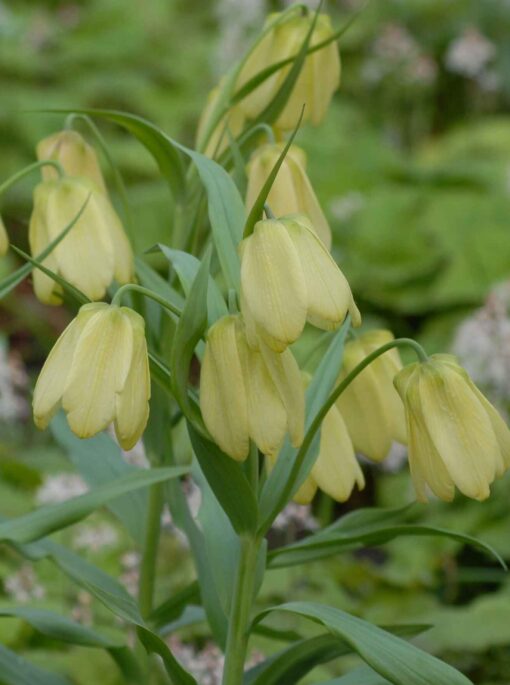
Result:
[150,551]
[242,600]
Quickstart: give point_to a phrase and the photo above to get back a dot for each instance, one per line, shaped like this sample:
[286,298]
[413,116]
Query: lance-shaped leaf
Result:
[15,670]
[190,328]
[48,519]
[389,656]
[360,676]
[154,644]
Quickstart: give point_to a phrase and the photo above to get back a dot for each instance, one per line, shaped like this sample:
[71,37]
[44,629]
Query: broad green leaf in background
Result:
[61,628]
[228,482]
[398,661]
[48,519]
[99,460]
[190,328]
[277,491]
[360,676]
[15,670]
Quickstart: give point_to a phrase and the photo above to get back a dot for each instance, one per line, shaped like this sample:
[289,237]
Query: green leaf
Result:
[190,328]
[360,676]
[65,285]
[393,658]
[288,473]
[99,460]
[186,267]
[154,644]
[289,665]
[173,607]
[335,539]
[46,520]
[228,482]
[60,628]
[14,279]
[15,670]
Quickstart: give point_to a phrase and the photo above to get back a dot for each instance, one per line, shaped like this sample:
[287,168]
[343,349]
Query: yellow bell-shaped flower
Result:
[288,277]
[4,238]
[317,81]
[94,252]
[246,393]
[456,437]
[218,141]
[336,470]
[370,405]
[291,192]
[76,156]
[98,371]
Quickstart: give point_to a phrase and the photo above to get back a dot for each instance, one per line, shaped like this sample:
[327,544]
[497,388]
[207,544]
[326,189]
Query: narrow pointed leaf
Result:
[15,670]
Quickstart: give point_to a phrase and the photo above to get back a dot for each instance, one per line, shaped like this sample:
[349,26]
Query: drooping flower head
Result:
[93,253]
[249,394]
[370,405]
[315,85]
[292,192]
[456,437]
[76,156]
[233,120]
[98,372]
[288,278]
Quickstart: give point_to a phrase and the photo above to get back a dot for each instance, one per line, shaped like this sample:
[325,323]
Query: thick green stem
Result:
[150,550]
[28,170]
[116,300]
[242,600]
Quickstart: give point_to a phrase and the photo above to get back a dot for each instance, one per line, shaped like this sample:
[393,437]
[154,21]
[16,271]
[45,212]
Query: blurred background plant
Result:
[412,167]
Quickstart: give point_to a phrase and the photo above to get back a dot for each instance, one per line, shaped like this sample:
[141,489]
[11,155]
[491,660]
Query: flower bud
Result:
[246,393]
[75,155]
[371,407]
[317,81]
[288,277]
[98,371]
[456,437]
[218,140]
[96,249]
[4,239]
[292,192]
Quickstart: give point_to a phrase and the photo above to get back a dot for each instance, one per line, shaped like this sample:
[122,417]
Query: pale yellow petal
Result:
[100,366]
[460,431]
[328,296]
[53,378]
[4,238]
[132,403]
[272,282]
[46,289]
[306,492]
[287,379]
[222,391]
[336,470]
[122,252]
[85,256]
[267,419]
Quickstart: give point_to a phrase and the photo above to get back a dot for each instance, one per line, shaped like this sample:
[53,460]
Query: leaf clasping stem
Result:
[148,293]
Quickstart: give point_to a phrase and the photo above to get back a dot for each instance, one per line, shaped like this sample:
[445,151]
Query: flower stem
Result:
[150,550]
[148,293]
[28,170]
[238,628]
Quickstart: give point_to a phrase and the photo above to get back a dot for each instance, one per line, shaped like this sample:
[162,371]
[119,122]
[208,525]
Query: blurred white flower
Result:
[95,538]
[130,577]
[22,586]
[13,386]
[296,516]
[345,206]
[470,53]
[60,487]
[482,344]
[235,19]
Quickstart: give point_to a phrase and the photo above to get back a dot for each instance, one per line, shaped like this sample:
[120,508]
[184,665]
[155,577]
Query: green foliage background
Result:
[414,174]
